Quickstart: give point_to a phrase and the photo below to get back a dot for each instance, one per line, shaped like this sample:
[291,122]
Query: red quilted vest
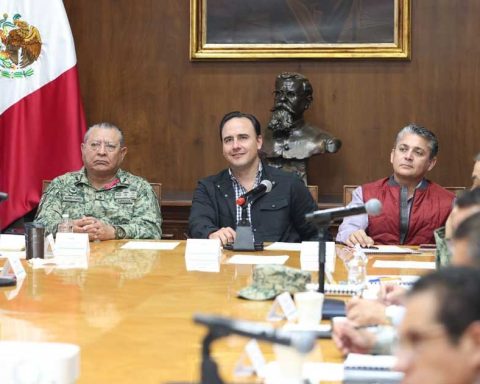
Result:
[431,206]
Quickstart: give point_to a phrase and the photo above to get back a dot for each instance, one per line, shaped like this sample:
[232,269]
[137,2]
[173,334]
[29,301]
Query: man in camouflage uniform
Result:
[466,205]
[103,200]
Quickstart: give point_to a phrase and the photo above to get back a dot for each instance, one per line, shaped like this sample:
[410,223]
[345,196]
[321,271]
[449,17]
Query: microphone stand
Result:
[209,374]
[331,307]
[244,239]
[322,228]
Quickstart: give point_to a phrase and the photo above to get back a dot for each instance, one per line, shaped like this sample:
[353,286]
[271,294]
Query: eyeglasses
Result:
[96,145]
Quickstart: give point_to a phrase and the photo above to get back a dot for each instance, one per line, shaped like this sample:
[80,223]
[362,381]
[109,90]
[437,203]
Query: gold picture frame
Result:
[300,29]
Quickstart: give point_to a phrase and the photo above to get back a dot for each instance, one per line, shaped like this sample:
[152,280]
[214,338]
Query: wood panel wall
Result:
[133,59]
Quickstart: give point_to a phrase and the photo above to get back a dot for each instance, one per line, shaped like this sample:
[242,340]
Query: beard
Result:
[281,121]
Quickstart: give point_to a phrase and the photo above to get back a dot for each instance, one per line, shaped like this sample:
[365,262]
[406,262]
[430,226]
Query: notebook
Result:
[372,282]
[362,368]
[343,289]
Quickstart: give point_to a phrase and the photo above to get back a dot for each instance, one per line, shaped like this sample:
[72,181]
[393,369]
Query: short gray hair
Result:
[422,132]
[105,125]
[477,158]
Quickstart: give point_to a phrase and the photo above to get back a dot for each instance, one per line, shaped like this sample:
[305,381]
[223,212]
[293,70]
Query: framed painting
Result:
[292,29]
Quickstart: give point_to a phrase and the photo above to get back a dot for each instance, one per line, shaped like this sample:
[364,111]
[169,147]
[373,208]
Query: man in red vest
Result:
[412,206]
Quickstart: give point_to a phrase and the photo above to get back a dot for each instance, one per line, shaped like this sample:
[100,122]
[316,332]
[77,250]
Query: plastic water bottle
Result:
[66,225]
[357,267]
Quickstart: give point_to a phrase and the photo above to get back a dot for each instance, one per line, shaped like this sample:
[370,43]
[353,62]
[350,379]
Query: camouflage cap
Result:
[272,280]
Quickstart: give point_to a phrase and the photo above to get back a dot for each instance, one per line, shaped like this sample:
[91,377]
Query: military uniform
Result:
[130,204]
[443,255]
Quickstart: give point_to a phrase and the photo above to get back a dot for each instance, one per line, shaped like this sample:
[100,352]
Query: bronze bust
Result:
[289,140]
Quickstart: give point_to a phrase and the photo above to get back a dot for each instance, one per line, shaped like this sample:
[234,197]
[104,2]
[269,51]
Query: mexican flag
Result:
[41,114]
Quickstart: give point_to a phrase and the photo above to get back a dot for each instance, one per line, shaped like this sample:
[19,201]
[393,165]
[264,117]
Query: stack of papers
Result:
[12,245]
[309,256]
[203,255]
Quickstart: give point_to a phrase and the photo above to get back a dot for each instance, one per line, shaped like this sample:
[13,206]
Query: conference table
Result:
[131,312]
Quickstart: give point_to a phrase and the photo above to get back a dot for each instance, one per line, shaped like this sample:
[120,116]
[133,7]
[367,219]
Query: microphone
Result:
[302,341]
[265,186]
[3,196]
[372,207]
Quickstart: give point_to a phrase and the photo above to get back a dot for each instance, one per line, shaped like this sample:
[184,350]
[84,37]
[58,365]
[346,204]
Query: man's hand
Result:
[226,235]
[392,294]
[96,229]
[365,312]
[349,339]
[359,237]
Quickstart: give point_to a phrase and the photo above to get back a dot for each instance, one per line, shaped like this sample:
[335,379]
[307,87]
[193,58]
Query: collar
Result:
[423,184]
[258,176]
[120,179]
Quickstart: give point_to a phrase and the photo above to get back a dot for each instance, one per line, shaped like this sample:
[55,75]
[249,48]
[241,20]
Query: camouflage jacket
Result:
[130,204]
[442,254]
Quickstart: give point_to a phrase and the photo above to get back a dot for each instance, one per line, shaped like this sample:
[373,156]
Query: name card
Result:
[254,355]
[208,247]
[283,307]
[13,266]
[309,256]
[203,255]
[71,244]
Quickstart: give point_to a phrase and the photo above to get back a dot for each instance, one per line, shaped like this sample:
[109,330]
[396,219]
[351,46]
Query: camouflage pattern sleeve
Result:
[49,212]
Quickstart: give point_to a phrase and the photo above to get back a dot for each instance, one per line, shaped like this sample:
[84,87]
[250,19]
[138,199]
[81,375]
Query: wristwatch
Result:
[119,232]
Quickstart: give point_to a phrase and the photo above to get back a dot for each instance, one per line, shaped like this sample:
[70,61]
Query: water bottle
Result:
[357,267]
[66,225]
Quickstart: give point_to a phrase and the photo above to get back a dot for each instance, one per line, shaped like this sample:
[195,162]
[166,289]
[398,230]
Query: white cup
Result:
[290,365]
[309,308]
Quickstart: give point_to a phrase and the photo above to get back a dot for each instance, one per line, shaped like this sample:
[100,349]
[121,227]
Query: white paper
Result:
[404,264]
[60,262]
[248,259]
[12,243]
[19,254]
[279,246]
[389,249]
[203,255]
[202,265]
[151,245]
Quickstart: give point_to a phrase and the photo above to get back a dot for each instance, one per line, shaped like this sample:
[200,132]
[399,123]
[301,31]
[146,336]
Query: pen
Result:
[370,247]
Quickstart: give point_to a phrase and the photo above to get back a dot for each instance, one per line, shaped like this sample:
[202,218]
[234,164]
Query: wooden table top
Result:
[131,313]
